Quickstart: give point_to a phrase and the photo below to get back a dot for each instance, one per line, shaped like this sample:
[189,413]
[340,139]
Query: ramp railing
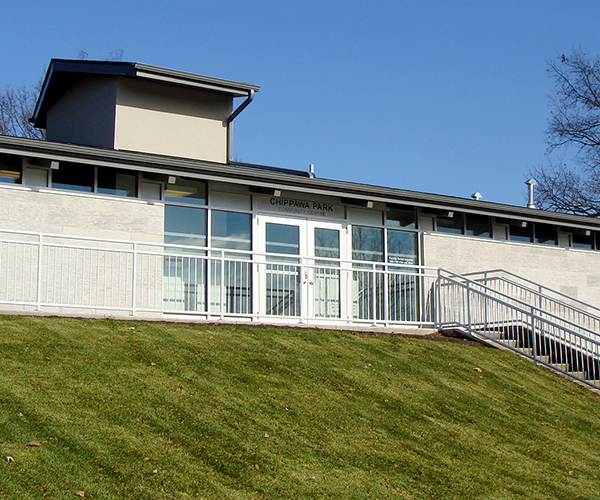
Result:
[510,318]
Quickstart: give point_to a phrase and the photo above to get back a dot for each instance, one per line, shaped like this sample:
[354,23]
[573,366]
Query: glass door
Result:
[302,275]
[283,270]
[324,283]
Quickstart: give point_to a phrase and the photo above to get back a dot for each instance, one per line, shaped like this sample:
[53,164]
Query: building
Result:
[133,205]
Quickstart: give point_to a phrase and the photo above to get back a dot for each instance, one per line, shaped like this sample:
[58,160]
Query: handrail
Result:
[180,250]
[523,311]
[539,286]
[525,328]
[523,303]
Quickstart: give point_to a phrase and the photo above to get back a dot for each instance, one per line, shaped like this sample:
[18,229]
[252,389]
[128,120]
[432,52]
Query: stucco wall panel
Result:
[170,134]
[169,120]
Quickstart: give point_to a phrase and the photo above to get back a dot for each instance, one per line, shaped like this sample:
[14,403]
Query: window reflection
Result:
[521,232]
[117,182]
[450,224]
[185,190]
[283,238]
[583,240]
[185,225]
[402,217]
[10,169]
[367,243]
[230,230]
[327,243]
[546,234]
[402,247]
[478,225]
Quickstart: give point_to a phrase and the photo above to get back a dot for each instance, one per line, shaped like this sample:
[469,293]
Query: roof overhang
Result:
[282,179]
[63,72]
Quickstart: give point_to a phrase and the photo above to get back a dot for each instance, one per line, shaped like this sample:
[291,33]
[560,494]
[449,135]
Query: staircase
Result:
[507,310]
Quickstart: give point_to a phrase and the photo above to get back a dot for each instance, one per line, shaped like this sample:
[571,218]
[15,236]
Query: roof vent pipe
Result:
[311,171]
[530,183]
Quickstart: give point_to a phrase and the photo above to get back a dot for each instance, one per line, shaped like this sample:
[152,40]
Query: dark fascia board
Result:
[277,179]
[62,72]
[237,89]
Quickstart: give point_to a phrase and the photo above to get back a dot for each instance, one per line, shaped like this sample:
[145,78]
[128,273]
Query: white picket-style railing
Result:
[58,273]
[49,272]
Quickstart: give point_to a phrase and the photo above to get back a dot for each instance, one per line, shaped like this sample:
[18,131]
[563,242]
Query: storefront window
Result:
[185,190]
[402,247]
[367,243]
[117,182]
[185,225]
[230,230]
[231,280]
[74,176]
[10,169]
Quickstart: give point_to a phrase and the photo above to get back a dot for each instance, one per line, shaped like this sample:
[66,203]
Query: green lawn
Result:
[177,411]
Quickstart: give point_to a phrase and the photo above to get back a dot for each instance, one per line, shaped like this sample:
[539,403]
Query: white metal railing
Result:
[48,271]
[61,273]
[506,276]
[558,307]
[533,328]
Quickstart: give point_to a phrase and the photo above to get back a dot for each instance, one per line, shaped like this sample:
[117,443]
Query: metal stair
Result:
[510,312]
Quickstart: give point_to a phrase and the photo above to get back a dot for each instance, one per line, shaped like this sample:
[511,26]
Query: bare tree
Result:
[116,55]
[574,124]
[563,189]
[575,117]
[16,107]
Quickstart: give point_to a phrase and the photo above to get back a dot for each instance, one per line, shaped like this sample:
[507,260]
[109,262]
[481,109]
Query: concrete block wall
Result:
[80,214]
[98,274]
[571,271]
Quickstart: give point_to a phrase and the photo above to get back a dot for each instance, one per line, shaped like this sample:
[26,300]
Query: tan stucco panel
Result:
[172,134]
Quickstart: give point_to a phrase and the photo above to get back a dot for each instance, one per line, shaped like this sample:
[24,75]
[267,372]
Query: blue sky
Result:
[448,97]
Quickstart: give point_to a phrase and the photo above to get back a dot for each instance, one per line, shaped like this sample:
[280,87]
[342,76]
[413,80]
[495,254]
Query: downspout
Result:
[232,117]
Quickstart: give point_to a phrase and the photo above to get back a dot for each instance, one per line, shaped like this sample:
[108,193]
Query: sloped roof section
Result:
[63,72]
[280,178]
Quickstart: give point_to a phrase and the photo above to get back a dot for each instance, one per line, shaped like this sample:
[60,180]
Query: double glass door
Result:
[301,275]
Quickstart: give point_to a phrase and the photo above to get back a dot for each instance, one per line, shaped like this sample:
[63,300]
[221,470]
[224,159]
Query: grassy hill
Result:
[108,409]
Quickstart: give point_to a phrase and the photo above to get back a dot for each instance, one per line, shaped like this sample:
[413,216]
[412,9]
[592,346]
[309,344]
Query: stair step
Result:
[493,334]
[581,375]
[561,366]
[543,359]
[499,336]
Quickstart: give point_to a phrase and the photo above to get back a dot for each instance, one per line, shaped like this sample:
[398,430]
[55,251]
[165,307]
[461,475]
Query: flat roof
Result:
[63,72]
[279,178]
